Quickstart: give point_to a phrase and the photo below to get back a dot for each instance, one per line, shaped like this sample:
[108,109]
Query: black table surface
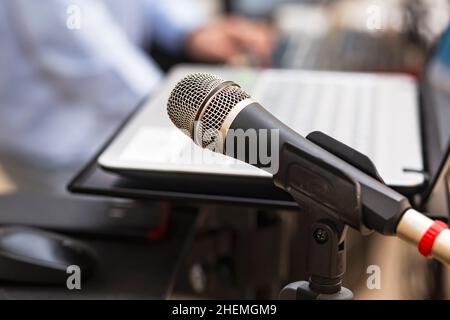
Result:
[181,188]
[127,268]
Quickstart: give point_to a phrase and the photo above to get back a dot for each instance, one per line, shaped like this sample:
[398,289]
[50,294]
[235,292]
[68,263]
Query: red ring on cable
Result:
[428,238]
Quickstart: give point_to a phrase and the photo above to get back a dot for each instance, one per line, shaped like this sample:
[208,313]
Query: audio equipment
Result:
[317,171]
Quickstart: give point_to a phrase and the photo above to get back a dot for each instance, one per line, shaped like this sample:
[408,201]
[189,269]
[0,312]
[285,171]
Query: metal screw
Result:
[320,235]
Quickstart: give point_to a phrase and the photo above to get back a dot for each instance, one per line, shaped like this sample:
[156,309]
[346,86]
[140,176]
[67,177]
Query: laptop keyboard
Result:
[344,111]
[373,114]
[344,50]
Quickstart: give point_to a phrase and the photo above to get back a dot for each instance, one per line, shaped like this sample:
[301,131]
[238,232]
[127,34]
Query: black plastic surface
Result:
[126,269]
[34,256]
[81,215]
[351,156]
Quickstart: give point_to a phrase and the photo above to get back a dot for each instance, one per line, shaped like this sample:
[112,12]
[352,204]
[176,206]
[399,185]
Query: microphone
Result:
[211,111]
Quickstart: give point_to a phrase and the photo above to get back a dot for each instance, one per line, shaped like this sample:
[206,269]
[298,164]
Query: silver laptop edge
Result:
[374,113]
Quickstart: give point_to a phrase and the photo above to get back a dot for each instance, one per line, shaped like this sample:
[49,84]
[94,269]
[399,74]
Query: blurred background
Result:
[74,70]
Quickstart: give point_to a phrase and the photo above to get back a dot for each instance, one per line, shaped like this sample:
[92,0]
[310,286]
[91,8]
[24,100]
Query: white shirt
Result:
[72,70]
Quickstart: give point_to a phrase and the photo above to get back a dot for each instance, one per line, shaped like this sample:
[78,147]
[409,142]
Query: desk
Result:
[127,269]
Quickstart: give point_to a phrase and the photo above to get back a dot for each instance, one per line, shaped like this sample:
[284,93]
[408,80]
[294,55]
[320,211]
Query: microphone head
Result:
[199,104]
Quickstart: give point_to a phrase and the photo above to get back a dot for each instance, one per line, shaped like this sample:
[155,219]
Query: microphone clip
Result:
[333,198]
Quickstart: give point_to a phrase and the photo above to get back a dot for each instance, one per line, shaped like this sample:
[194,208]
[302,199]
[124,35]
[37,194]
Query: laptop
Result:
[320,37]
[347,50]
[402,125]
[363,35]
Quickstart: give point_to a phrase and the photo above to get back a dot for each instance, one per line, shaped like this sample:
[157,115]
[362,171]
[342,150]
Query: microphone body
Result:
[313,181]
[417,229]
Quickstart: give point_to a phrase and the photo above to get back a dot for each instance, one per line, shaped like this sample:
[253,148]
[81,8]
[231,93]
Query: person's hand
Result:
[233,40]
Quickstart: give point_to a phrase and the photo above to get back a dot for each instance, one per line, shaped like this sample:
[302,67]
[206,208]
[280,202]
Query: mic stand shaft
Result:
[326,254]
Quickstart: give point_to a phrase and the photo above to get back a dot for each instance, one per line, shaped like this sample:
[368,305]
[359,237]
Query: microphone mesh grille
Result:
[187,97]
[217,111]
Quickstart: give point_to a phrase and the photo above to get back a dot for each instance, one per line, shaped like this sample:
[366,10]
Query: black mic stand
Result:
[326,254]
[339,205]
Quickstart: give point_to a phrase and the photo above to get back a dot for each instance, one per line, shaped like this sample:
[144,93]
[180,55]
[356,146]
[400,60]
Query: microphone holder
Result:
[328,215]
[326,254]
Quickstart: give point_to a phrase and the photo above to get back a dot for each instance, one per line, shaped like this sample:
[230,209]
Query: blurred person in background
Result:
[72,70]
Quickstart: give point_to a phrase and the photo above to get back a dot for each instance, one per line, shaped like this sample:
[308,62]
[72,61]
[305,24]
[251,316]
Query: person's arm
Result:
[97,64]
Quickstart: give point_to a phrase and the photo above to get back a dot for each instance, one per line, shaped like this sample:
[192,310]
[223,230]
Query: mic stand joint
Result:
[326,263]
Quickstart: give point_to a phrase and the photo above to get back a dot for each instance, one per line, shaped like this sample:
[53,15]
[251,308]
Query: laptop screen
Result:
[439,83]
[436,104]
